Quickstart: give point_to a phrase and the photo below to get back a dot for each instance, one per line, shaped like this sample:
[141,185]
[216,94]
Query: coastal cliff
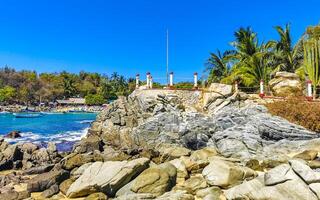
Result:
[174,144]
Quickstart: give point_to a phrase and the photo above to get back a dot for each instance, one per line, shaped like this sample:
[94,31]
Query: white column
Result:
[195,79]
[148,80]
[261,89]
[137,80]
[171,79]
[309,90]
[151,82]
[236,89]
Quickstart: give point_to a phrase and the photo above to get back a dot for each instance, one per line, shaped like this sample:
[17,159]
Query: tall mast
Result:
[167,57]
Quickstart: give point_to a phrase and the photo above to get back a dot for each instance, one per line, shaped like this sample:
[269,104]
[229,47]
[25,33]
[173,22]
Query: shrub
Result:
[94,99]
[298,111]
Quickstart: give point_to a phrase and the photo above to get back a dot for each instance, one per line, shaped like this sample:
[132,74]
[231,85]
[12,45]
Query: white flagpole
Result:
[167,57]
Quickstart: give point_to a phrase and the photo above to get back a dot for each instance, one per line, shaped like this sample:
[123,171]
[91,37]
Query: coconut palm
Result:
[288,57]
[252,61]
[218,66]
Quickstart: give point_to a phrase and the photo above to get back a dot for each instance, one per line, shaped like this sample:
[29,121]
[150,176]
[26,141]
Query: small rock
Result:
[224,174]
[216,191]
[307,155]
[305,172]
[315,187]
[65,185]
[97,196]
[314,164]
[44,181]
[203,154]
[107,177]
[155,180]
[279,174]
[54,189]
[13,134]
[176,195]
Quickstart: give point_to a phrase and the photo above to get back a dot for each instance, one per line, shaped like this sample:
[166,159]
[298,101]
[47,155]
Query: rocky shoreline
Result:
[59,109]
[177,145]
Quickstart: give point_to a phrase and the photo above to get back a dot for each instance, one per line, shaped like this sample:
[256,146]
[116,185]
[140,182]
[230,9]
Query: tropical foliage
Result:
[250,60]
[28,87]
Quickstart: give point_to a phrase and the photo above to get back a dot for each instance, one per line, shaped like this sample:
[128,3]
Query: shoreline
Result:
[57,109]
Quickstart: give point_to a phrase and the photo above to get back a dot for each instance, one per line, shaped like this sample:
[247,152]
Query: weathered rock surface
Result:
[44,181]
[225,174]
[237,129]
[286,83]
[155,180]
[107,177]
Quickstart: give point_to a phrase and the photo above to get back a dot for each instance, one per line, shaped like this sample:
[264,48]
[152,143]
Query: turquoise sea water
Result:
[64,129]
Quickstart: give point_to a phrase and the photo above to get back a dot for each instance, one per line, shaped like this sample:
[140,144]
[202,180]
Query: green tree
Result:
[288,57]
[217,66]
[7,94]
[94,99]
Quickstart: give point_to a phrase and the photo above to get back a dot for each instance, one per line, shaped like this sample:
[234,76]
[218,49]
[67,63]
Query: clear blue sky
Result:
[128,36]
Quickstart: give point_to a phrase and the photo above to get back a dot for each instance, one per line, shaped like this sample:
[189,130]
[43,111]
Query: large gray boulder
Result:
[107,177]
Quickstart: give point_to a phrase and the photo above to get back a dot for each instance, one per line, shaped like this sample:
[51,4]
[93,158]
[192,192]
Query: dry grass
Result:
[298,111]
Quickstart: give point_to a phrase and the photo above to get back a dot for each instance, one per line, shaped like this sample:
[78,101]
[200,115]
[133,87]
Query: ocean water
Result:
[63,129]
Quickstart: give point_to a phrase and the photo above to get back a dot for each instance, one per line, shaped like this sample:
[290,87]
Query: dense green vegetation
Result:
[250,60]
[28,87]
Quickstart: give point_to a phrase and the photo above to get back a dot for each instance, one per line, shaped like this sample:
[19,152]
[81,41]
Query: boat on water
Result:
[28,115]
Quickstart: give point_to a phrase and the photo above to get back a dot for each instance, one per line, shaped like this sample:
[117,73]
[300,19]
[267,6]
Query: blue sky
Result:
[128,36]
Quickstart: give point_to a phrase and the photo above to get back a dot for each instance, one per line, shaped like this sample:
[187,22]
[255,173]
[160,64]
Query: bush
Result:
[298,111]
[94,99]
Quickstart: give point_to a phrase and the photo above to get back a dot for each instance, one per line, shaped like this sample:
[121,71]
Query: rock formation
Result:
[173,144]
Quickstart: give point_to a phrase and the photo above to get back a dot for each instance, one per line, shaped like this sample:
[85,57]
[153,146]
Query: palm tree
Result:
[217,66]
[252,61]
[288,57]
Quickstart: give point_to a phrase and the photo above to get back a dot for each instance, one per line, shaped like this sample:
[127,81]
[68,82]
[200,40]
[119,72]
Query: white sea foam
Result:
[85,121]
[68,136]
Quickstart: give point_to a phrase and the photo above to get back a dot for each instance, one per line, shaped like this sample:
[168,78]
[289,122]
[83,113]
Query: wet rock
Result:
[107,177]
[44,181]
[155,180]
[13,134]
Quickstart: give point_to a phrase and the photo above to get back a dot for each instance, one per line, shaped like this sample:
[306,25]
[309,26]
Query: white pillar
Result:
[309,90]
[137,80]
[195,79]
[236,89]
[171,79]
[148,80]
[151,82]
[261,89]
